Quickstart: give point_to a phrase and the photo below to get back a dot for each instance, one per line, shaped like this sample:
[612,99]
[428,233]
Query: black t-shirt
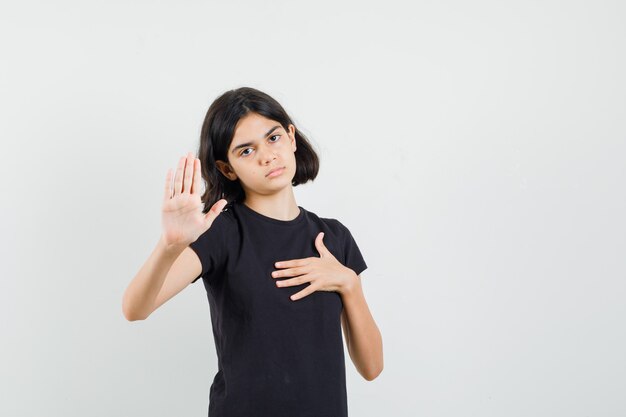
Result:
[276,357]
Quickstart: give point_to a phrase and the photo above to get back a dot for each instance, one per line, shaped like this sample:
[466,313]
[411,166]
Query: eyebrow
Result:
[243,145]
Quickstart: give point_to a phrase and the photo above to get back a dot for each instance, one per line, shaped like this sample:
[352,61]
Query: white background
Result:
[476,150]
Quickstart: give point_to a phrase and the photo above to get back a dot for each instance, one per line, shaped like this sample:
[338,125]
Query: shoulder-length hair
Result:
[217,134]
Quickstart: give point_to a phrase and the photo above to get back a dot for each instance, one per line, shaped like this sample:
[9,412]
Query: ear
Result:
[292,135]
[226,169]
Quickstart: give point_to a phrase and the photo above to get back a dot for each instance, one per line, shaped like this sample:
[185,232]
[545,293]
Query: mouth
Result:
[275,172]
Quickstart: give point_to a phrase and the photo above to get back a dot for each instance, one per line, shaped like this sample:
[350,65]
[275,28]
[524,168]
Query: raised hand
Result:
[182,218]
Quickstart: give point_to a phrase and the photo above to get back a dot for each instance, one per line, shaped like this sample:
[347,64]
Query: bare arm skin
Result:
[172,265]
[166,272]
[365,343]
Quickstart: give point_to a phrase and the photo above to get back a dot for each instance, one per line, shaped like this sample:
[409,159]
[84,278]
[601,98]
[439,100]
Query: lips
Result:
[274,170]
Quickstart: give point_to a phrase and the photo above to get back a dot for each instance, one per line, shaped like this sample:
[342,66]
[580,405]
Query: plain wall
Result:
[476,150]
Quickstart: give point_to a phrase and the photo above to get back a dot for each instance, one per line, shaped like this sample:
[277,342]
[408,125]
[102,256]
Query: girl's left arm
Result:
[365,343]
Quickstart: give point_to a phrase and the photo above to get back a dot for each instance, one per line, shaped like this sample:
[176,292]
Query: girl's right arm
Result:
[164,274]
[172,265]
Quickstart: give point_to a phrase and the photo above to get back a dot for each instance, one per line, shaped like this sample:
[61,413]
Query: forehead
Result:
[252,127]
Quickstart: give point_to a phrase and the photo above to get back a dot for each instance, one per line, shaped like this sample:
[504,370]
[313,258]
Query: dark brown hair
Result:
[217,134]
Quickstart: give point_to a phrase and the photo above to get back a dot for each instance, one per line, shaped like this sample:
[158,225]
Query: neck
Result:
[280,206]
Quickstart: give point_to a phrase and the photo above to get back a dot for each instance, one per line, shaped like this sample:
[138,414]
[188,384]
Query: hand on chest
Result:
[250,283]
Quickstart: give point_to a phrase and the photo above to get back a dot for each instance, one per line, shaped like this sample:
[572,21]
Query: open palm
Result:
[182,218]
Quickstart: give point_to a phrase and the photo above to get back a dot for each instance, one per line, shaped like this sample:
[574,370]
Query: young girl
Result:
[280,280]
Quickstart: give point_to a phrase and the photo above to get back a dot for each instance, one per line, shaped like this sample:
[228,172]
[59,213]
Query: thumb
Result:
[319,244]
[215,211]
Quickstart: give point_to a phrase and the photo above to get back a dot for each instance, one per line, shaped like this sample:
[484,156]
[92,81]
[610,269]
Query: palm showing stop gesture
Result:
[182,218]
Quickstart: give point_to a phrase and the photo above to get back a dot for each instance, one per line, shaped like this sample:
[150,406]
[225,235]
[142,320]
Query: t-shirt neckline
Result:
[272,220]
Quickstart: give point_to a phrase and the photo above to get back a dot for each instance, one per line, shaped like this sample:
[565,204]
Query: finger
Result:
[319,244]
[178,180]
[215,211]
[189,162]
[197,176]
[292,262]
[308,290]
[291,272]
[167,193]
[293,281]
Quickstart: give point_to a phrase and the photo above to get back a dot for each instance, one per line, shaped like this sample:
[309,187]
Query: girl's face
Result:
[260,145]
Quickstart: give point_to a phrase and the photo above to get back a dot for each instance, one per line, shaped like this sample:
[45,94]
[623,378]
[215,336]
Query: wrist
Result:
[351,284]
[171,248]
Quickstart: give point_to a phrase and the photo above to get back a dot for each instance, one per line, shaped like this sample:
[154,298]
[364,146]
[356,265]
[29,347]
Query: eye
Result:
[243,153]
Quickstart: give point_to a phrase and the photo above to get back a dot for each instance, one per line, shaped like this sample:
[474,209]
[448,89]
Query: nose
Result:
[267,155]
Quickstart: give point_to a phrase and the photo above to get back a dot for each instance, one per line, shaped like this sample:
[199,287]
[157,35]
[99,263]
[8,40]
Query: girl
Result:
[280,280]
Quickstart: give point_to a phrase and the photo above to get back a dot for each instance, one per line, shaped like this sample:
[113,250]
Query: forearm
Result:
[365,343]
[141,293]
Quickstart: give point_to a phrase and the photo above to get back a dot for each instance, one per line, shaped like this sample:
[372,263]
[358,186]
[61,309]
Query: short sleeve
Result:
[211,247]
[352,256]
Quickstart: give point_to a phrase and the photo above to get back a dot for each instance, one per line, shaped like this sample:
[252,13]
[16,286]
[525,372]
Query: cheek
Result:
[293,163]
[290,154]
